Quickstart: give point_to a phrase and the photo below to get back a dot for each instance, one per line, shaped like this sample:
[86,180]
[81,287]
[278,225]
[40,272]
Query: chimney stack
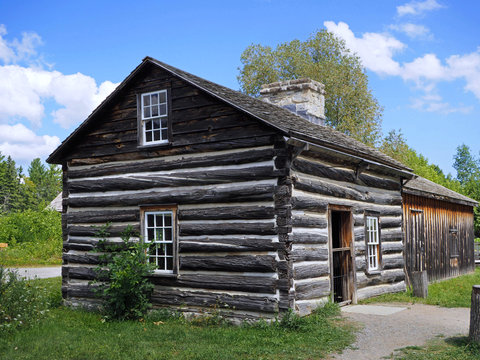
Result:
[304,97]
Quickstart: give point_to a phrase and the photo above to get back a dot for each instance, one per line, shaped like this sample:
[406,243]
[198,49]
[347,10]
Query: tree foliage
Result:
[350,106]
[19,192]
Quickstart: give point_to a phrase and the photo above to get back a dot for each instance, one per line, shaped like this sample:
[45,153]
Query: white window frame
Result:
[372,233]
[162,118]
[160,243]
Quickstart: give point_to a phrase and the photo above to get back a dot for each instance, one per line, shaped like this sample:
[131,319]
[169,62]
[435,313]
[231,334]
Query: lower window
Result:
[159,235]
[373,243]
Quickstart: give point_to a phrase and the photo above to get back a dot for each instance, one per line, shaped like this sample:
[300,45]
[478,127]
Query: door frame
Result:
[352,278]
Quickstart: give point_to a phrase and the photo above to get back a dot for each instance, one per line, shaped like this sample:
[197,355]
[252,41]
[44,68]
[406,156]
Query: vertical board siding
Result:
[439,218]
[318,184]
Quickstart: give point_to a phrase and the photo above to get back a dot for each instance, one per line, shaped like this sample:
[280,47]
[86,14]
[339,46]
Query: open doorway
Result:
[342,268]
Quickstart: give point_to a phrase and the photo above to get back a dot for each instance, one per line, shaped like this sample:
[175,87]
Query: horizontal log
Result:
[312,289]
[394,235]
[227,212]
[228,244]
[210,124]
[309,254]
[174,179]
[371,291]
[86,290]
[238,192]
[392,247]
[329,171]
[390,222]
[303,202]
[255,284]
[166,296]
[225,228]
[392,262]
[310,270]
[103,216]
[319,222]
[365,194]
[308,238]
[98,155]
[384,277]
[88,230]
[236,263]
[81,258]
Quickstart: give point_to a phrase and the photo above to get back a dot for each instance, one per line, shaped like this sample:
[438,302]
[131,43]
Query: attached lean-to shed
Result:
[247,204]
[438,225]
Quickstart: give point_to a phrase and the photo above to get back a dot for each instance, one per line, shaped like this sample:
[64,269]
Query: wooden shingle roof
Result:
[426,188]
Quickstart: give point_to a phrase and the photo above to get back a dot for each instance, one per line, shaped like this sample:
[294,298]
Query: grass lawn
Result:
[455,292]
[450,349]
[69,334]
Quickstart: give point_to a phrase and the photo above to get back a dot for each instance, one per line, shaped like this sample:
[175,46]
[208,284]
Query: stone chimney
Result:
[304,97]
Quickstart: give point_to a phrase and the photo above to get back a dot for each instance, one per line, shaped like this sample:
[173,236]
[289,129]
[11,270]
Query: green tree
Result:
[350,106]
[47,181]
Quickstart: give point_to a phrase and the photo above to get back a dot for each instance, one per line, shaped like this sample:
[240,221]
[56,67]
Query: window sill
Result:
[373,272]
[157,273]
[154,146]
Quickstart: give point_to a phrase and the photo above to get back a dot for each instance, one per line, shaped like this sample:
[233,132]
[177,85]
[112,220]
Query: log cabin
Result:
[253,205]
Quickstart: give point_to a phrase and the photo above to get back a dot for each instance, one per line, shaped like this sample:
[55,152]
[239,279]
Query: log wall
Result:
[440,220]
[221,169]
[320,183]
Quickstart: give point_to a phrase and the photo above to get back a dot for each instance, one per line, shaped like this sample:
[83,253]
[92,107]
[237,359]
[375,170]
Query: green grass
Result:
[71,334]
[455,292]
[459,348]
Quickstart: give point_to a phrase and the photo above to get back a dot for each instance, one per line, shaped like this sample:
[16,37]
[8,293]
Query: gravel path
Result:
[39,272]
[417,323]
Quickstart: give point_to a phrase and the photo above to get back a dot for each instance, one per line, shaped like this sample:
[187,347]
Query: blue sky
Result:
[59,59]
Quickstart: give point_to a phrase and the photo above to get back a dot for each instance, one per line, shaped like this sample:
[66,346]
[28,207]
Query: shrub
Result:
[33,237]
[23,302]
[126,291]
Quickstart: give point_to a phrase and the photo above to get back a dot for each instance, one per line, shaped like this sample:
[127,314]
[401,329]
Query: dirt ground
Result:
[380,335]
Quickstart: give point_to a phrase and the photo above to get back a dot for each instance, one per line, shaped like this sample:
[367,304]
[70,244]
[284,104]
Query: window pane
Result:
[169,249]
[159,234]
[169,263]
[146,112]
[156,124]
[146,100]
[148,136]
[168,234]
[163,97]
[156,136]
[168,220]
[154,110]
[163,109]
[148,125]
[160,220]
[164,135]
[164,124]
[150,234]
[161,263]
[150,220]
[152,251]
[154,99]
[161,249]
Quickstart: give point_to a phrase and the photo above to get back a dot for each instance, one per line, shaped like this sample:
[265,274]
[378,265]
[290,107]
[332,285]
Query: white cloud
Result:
[418,7]
[413,31]
[23,90]
[23,145]
[376,50]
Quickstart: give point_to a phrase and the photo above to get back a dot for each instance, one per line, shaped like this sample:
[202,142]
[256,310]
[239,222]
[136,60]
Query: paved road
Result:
[409,324]
[39,272]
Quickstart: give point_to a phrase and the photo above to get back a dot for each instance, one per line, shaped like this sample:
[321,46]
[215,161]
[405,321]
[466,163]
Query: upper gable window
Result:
[154,117]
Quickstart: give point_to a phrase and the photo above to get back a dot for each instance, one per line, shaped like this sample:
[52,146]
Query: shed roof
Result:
[56,204]
[423,187]
[277,117]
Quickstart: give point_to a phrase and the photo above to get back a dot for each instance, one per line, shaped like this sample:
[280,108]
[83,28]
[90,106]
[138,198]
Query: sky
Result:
[60,59]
